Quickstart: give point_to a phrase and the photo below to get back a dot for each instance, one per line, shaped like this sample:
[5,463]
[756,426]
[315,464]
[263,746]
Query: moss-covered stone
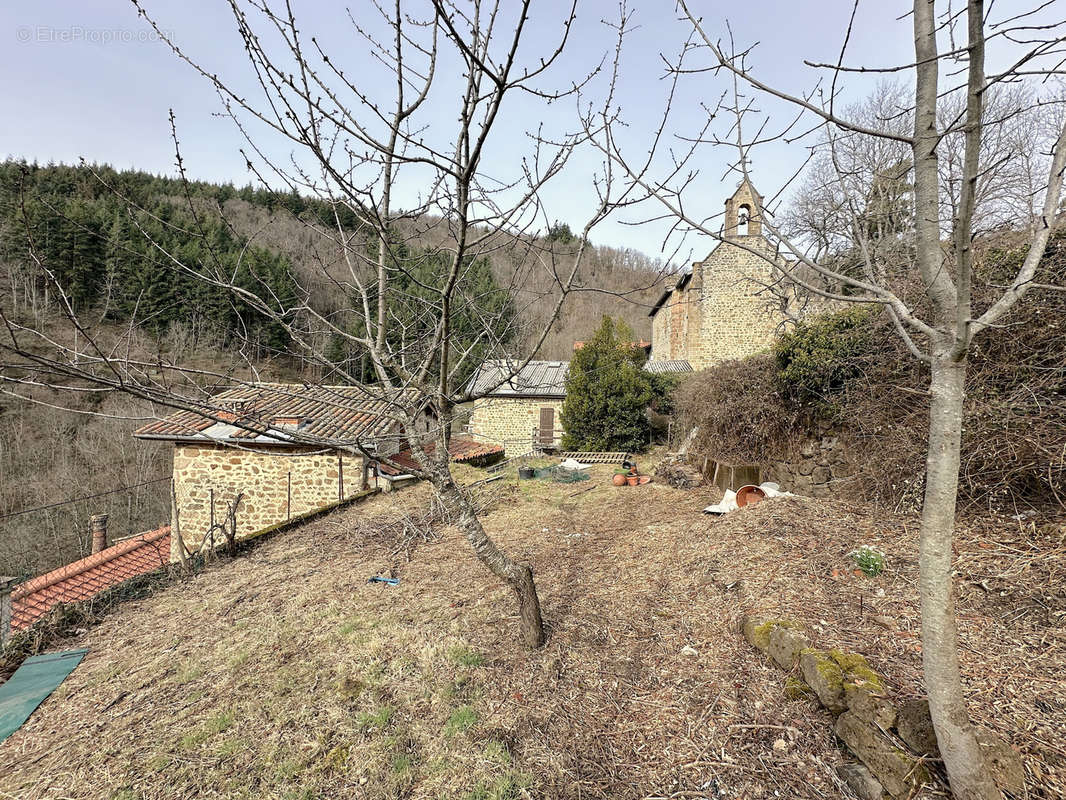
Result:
[896,769]
[757,632]
[864,690]
[795,689]
[786,643]
[870,706]
[857,671]
[825,677]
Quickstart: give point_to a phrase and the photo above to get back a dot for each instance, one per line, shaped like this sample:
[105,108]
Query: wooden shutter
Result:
[547,425]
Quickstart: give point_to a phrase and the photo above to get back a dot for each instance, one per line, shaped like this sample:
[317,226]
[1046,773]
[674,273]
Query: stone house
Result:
[521,412]
[260,441]
[721,309]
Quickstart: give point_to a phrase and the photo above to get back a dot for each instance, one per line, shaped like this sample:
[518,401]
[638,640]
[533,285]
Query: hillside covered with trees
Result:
[117,240]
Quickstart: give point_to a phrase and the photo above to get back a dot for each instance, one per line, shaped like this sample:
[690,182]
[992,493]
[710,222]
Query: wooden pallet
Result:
[596,458]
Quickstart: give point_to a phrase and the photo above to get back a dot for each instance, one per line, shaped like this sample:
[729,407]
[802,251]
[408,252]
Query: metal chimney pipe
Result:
[98,528]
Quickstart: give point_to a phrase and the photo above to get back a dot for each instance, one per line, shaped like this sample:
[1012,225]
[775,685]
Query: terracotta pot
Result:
[749,495]
[633,480]
[619,480]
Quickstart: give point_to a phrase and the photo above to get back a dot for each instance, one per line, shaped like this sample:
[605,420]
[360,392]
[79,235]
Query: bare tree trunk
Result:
[518,576]
[967,773]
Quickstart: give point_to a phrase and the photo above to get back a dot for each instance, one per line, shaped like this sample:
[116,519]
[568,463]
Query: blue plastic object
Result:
[379,579]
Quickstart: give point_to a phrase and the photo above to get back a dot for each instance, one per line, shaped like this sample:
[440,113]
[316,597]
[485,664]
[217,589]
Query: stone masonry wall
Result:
[673,324]
[660,335]
[818,468]
[262,475]
[737,316]
[724,312]
[510,421]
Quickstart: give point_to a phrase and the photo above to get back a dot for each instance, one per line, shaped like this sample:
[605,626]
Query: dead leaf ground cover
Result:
[283,673]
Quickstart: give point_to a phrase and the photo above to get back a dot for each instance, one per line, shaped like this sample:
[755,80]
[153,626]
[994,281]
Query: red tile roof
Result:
[86,577]
[460,449]
[270,413]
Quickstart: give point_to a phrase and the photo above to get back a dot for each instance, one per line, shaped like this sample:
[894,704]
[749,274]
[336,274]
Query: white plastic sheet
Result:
[729,499]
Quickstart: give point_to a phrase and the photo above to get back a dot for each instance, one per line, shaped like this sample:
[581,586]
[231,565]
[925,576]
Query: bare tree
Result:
[957,142]
[398,159]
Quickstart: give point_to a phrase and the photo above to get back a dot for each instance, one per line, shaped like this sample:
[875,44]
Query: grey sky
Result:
[84,78]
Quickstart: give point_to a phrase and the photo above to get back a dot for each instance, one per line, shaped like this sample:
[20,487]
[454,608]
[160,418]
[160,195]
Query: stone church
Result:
[721,309]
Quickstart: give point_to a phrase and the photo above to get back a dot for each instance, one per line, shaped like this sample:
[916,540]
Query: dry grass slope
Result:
[284,674]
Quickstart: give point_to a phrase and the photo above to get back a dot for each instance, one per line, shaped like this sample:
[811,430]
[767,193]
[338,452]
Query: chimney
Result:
[6,585]
[98,528]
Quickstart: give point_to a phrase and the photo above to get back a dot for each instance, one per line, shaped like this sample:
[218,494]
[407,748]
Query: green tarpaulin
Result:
[37,678]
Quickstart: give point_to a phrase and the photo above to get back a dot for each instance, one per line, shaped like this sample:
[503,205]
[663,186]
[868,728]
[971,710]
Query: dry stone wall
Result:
[510,421]
[845,685]
[818,468]
[263,475]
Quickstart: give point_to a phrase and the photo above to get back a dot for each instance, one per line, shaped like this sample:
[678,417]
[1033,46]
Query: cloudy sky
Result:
[88,79]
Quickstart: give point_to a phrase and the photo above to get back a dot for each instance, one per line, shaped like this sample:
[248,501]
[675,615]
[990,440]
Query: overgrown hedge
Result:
[851,371]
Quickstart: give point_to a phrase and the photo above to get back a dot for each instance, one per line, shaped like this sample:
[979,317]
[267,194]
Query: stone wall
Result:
[724,311]
[735,316]
[263,476]
[818,468]
[510,421]
[672,325]
[845,685]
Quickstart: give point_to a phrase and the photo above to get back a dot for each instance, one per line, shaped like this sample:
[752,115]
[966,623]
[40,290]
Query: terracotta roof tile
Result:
[264,413]
[460,449]
[88,576]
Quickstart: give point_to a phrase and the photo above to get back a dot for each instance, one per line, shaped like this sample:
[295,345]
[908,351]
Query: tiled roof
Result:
[460,449]
[535,379]
[271,413]
[674,365]
[88,576]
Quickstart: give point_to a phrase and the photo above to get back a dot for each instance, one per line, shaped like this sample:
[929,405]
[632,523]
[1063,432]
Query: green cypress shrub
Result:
[607,394]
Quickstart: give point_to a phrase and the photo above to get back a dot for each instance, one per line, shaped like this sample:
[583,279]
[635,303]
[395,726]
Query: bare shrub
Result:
[741,414]
[1014,430]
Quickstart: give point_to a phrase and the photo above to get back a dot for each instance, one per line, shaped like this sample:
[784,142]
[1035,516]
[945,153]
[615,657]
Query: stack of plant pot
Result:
[893,743]
[629,477]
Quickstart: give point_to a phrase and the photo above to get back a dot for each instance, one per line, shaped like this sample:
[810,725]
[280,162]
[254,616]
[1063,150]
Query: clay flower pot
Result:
[619,480]
[633,480]
[749,495]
